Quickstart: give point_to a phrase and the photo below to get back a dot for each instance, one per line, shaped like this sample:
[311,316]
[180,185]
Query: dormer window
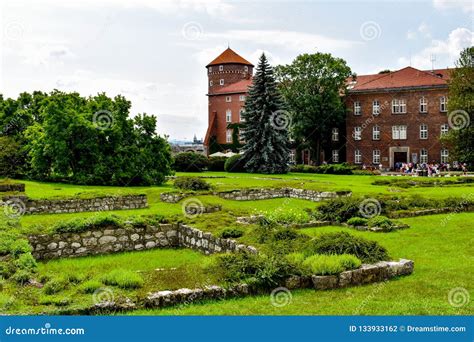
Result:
[221,81]
[221,68]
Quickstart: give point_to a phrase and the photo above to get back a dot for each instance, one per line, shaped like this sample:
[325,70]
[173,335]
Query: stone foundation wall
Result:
[113,240]
[76,205]
[261,194]
[7,187]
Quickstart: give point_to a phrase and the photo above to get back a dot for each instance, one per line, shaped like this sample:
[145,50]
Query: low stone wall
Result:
[430,212]
[7,187]
[260,194]
[112,240]
[76,205]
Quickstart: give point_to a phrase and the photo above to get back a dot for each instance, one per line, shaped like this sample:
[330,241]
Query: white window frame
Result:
[399,106]
[335,156]
[375,107]
[335,134]
[210,69]
[424,156]
[399,132]
[444,129]
[423,108]
[423,131]
[357,133]
[376,156]
[443,104]
[221,68]
[221,82]
[228,136]
[444,158]
[246,68]
[211,83]
[357,108]
[357,157]
[376,132]
[228,116]
[241,98]
[241,118]
[228,99]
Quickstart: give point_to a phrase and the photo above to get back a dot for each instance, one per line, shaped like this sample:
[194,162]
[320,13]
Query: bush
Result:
[190,162]
[282,234]
[80,225]
[330,264]
[234,164]
[343,243]
[231,233]
[381,222]
[123,278]
[19,247]
[301,168]
[296,258]
[357,221]
[335,169]
[21,277]
[26,262]
[55,285]
[216,163]
[191,183]
[90,286]
[338,209]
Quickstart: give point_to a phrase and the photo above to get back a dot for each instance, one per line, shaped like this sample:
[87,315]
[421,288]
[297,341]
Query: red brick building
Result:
[229,76]
[397,117]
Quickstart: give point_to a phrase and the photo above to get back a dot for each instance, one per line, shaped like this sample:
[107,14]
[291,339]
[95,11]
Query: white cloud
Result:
[446,51]
[464,5]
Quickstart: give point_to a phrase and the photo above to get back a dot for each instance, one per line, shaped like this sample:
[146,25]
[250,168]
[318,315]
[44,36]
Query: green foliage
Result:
[311,86]
[357,221]
[191,183]
[59,301]
[296,258]
[124,279]
[90,286]
[55,285]
[84,224]
[381,222]
[343,243]
[26,262]
[287,216]
[283,234]
[330,264]
[12,158]
[231,233]
[335,169]
[419,182]
[338,209]
[21,277]
[216,163]
[265,129]
[190,162]
[234,164]
[19,247]
[301,168]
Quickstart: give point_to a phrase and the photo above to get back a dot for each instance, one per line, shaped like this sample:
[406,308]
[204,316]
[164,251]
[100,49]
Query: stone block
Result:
[324,282]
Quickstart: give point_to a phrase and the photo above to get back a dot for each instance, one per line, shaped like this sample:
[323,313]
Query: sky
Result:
[155,52]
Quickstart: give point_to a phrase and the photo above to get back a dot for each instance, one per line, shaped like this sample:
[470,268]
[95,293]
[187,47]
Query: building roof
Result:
[404,78]
[237,87]
[229,56]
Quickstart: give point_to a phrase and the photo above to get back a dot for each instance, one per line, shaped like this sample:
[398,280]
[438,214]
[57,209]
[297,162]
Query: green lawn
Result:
[443,257]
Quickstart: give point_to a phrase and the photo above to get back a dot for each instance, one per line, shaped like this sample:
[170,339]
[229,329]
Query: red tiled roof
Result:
[237,87]
[229,56]
[406,77]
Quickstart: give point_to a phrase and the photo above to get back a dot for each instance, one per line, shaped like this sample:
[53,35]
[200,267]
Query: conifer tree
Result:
[265,130]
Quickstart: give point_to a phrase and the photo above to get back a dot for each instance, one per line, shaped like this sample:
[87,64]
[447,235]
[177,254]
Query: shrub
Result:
[55,285]
[285,234]
[234,164]
[335,169]
[230,233]
[303,168]
[338,209]
[357,221]
[191,183]
[19,247]
[381,222]
[21,277]
[90,286]
[123,278]
[26,262]
[296,258]
[330,264]
[190,162]
[216,163]
[80,225]
[343,243]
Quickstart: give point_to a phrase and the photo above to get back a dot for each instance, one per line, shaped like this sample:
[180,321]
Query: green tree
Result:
[264,132]
[460,139]
[312,86]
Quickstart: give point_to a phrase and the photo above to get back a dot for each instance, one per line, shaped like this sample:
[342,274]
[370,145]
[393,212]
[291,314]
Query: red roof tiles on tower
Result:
[229,56]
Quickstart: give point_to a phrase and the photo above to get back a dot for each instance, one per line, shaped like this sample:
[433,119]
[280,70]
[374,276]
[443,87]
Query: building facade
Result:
[397,117]
[229,76]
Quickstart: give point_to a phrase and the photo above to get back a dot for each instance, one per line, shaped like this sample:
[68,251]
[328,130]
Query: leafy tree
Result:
[266,140]
[460,139]
[312,86]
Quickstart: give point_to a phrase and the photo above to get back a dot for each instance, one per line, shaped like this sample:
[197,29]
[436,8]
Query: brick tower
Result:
[229,76]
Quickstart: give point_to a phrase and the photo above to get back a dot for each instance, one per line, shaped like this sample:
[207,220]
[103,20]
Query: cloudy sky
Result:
[154,52]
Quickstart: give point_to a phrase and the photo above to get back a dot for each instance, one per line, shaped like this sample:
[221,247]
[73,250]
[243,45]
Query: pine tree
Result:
[265,131]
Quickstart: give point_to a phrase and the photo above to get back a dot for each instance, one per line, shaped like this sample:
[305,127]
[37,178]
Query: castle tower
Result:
[229,76]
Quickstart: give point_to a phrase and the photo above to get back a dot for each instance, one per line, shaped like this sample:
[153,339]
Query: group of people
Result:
[430,170]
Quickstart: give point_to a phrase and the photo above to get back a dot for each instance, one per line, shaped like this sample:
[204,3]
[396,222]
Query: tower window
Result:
[228,99]
[210,83]
[221,67]
[221,81]
[210,69]
[246,68]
